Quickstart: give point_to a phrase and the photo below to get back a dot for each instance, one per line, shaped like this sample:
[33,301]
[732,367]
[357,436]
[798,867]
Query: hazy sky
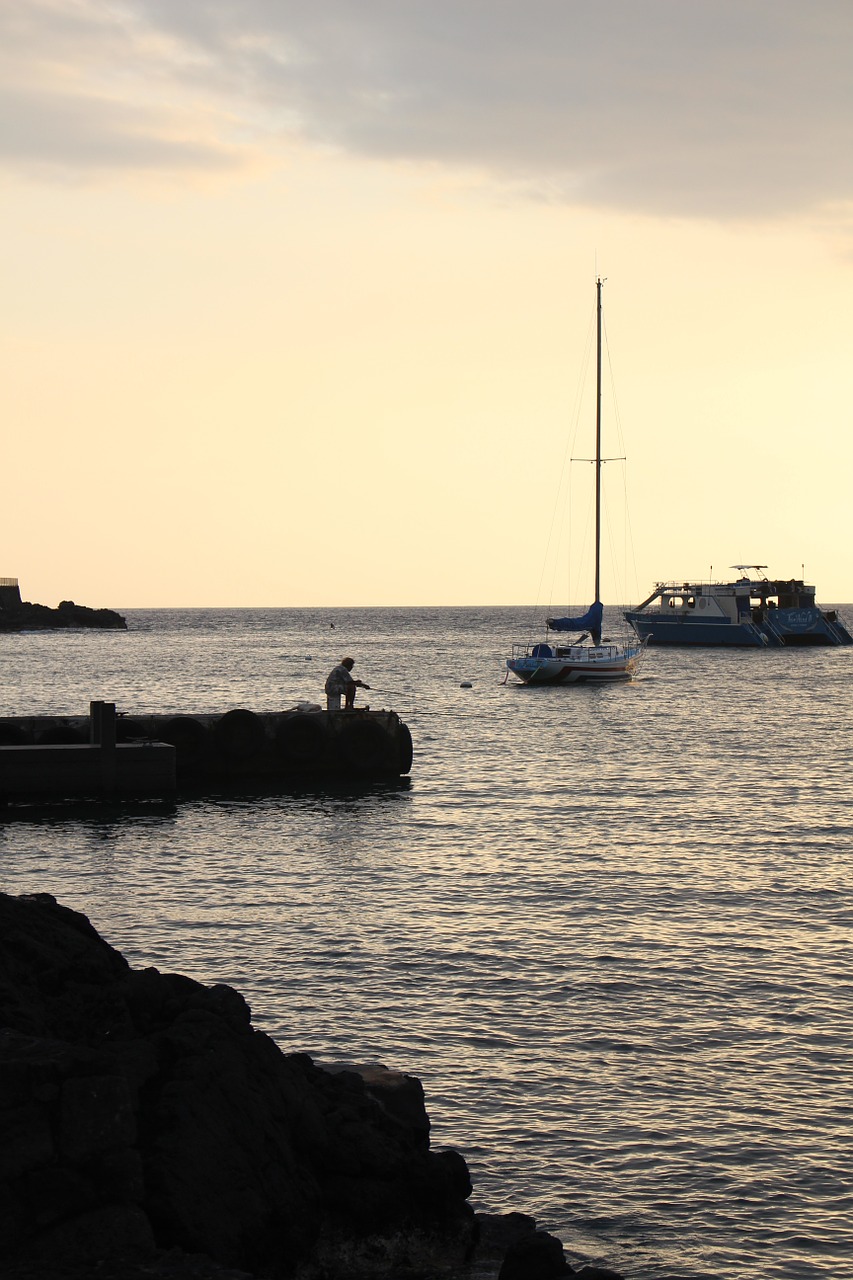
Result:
[296,296]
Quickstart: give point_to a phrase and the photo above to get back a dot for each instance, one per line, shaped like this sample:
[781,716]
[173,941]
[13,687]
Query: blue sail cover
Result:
[589,621]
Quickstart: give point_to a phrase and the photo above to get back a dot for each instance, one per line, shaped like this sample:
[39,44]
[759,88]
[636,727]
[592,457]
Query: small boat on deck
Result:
[585,658]
[752,611]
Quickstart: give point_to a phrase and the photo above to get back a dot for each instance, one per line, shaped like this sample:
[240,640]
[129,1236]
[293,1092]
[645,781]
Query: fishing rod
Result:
[408,693]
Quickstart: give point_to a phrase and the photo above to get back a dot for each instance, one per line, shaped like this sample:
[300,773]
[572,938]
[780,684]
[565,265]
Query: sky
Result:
[296,297]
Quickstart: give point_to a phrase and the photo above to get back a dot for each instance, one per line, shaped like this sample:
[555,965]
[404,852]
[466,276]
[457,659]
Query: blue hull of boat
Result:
[675,631]
[788,627]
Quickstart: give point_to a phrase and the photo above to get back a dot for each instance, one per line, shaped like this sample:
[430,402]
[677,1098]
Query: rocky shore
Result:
[25,616]
[149,1132]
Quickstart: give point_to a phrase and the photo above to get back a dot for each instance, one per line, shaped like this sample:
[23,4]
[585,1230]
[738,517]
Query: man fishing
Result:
[341,681]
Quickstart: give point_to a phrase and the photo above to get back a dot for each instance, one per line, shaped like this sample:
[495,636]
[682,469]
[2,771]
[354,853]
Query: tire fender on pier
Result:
[407,750]
[367,747]
[184,731]
[129,729]
[301,739]
[240,734]
[191,741]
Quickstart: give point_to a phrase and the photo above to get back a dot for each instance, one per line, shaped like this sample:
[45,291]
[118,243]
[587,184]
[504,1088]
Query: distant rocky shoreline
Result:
[39,617]
[149,1132]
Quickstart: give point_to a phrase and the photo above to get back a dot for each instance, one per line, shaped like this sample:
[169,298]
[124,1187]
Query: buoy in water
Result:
[466,684]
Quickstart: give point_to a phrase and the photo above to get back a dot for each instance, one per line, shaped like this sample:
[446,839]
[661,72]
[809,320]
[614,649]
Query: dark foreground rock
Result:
[147,1129]
[535,1256]
[518,1251]
[40,617]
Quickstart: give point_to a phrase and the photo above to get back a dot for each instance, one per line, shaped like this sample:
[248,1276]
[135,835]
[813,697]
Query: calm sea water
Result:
[609,928]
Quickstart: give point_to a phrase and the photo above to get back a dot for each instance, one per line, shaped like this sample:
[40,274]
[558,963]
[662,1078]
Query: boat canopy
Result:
[589,621]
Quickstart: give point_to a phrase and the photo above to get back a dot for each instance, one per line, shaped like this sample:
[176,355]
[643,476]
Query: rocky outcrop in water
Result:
[149,1132]
[25,616]
[144,1122]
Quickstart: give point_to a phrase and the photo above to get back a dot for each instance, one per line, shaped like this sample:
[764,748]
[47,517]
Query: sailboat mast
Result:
[598,284]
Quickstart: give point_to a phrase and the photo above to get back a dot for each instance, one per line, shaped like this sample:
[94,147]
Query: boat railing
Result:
[520,651]
[661,611]
[570,653]
[593,653]
[759,588]
[694,589]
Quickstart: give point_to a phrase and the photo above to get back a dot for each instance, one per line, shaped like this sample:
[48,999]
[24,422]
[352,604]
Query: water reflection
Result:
[608,929]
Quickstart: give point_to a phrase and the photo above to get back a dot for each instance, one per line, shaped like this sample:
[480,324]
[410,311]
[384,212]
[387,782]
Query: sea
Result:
[609,928]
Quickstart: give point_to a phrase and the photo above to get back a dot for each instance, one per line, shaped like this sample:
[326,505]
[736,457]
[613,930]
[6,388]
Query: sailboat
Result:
[585,658]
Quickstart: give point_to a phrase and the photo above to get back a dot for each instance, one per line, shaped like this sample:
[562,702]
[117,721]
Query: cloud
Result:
[68,134]
[709,107]
[84,91]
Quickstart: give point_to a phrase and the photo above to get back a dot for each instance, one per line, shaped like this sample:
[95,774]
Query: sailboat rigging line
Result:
[562,504]
[634,592]
[614,562]
[628,533]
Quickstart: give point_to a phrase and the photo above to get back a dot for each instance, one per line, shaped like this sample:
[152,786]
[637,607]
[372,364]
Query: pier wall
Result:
[239,746]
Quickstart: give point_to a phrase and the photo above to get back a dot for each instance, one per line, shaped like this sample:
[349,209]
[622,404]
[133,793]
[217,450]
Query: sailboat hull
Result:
[579,666]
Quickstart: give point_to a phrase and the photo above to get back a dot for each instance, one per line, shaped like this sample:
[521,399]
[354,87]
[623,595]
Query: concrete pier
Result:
[100,768]
[110,755]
